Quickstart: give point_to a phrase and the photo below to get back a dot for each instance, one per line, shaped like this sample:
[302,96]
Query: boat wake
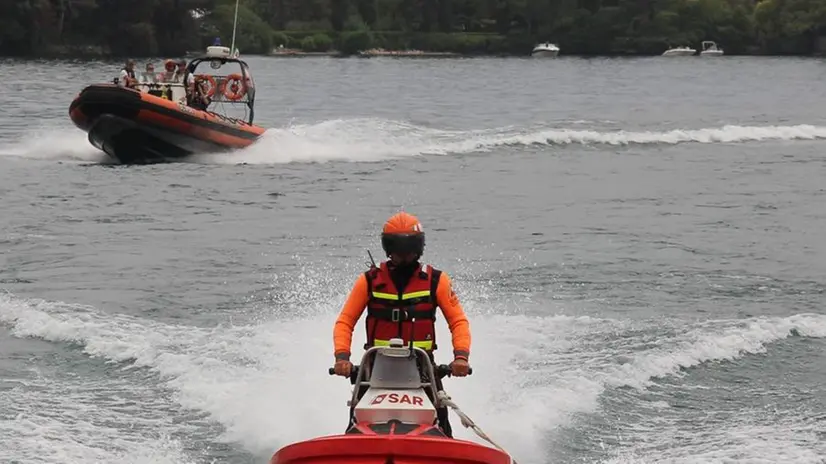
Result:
[54,145]
[534,377]
[372,140]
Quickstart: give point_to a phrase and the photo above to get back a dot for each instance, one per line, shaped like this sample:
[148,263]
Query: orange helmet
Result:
[402,233]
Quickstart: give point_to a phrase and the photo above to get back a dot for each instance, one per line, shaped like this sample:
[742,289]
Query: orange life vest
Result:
[408,314]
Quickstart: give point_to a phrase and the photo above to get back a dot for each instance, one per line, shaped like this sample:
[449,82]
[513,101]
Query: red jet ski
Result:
[394,419]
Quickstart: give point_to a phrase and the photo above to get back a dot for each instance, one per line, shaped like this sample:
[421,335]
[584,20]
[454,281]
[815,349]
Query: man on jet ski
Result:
[401,297]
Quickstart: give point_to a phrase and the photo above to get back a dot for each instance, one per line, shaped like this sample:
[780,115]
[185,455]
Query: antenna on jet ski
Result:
[234,26]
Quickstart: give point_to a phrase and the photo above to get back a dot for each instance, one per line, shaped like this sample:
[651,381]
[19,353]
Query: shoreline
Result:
[429,55]
[402,54]
[87,54]
[374,52]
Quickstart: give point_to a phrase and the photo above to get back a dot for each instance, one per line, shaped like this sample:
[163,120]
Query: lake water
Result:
[638,244]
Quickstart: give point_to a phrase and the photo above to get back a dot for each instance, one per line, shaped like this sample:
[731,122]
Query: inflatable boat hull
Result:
[135,127]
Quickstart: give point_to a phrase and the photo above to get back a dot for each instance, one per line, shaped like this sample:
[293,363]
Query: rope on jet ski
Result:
[468,422]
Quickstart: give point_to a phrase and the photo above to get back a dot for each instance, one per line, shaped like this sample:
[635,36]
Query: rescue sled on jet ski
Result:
[394,419]
[161,122]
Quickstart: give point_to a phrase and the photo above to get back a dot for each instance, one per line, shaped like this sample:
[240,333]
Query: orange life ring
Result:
[236,91]
[212,85]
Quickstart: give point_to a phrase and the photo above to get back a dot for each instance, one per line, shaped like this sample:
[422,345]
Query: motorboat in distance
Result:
[711,48]
[680,51]
[544,50]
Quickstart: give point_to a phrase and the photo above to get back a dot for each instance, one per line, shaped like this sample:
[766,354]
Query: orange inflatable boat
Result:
[394,418]
[158,122]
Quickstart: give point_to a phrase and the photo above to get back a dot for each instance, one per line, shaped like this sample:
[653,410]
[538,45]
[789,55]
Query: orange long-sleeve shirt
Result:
[356,302]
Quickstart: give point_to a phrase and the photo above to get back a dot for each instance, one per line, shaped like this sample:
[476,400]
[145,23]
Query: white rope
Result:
[468,422]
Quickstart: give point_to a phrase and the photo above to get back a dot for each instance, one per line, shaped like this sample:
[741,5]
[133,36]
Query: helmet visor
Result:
[403,243]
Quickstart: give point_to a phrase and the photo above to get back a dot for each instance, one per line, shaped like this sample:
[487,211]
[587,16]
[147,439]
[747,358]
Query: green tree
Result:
[171,27]
[252,35]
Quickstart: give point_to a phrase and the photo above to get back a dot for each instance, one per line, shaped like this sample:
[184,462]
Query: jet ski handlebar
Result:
[396,349]
[442,371]
[360,375]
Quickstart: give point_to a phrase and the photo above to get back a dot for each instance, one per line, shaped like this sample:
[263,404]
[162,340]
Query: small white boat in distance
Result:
[679,51]
[545,49]
[710,48]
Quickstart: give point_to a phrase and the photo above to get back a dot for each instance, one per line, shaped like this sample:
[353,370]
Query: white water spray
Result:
[374,140]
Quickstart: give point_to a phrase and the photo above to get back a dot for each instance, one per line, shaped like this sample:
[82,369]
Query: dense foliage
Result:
[171,27]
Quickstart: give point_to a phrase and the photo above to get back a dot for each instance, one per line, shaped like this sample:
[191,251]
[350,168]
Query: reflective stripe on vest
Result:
[405,296]
[425,345]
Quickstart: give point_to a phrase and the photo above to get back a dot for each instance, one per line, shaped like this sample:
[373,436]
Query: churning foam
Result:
[267,384]
[366,140]
[55,144]
[370,140]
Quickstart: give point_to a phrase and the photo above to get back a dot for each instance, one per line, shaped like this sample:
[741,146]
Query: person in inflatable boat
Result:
[127,76]
[168,75]
[419,289]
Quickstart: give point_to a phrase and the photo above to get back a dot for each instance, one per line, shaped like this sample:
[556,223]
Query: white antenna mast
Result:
[234,26]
